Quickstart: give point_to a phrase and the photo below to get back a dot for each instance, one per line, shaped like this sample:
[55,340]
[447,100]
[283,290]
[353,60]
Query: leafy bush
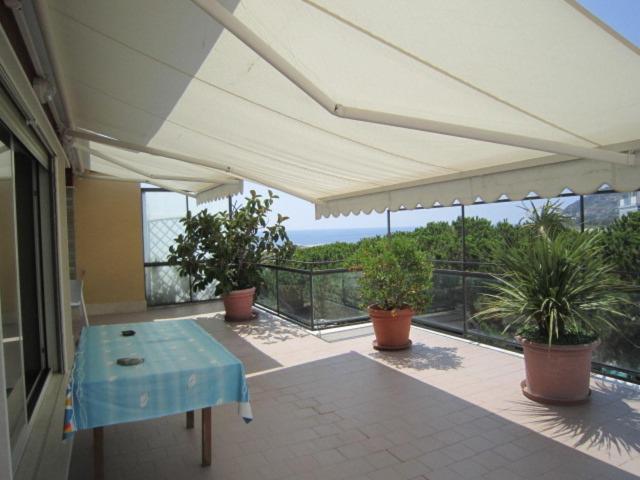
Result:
[621,242]
[396,273]
[439,239]
[559,290]
[484,241]
[481,238]
[228,248]
[331,252]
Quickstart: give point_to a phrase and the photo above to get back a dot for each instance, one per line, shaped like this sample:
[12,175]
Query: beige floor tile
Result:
[446,409]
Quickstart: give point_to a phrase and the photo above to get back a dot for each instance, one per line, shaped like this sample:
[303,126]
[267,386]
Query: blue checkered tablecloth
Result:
[184,369]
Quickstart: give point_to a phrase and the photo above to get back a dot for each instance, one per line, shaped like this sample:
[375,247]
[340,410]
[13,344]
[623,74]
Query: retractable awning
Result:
[354,105]
[183,177]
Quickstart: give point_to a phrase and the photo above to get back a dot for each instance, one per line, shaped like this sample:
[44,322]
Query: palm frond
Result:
[559,286]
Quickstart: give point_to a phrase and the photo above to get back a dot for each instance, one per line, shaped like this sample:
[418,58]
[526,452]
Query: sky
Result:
[622,15]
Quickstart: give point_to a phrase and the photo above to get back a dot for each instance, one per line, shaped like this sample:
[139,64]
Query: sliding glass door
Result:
[28,289]
[12,341]
[30,222]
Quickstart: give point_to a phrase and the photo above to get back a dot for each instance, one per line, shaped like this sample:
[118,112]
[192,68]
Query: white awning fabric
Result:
[171,174]
[451,97]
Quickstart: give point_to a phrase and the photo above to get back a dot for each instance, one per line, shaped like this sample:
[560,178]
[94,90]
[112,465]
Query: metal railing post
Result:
[388,222]
[313,314]
[464,271]
[582,213]
[277,290]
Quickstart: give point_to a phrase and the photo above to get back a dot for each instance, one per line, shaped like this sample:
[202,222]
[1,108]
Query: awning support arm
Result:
[219,13]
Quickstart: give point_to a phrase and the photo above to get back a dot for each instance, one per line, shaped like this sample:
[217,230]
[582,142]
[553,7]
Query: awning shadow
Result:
[157,75]
[326,419]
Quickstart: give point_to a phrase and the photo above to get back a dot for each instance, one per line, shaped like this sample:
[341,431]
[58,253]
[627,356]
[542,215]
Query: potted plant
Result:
[229,248]
[558,294]
[394,284]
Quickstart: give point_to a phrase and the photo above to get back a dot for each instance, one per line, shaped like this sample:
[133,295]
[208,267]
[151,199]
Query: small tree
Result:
[229,248]
[395,273]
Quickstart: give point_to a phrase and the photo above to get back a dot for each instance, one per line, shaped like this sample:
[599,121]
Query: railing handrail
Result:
[450,271]
[313,263]
[329,271]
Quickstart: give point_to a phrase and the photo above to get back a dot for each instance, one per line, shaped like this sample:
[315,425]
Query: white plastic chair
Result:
[77,299]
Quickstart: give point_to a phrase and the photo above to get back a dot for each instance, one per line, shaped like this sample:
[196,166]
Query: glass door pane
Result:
[28,222]
[48,267]
[10,299]
[161,212]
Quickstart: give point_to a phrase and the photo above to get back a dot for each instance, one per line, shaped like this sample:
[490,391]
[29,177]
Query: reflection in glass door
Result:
[29,222]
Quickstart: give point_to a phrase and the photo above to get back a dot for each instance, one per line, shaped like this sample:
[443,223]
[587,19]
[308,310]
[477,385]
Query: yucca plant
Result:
[549,219]
[558,290]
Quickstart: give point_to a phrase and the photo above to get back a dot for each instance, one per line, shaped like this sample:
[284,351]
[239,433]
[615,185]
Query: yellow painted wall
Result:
[108,226]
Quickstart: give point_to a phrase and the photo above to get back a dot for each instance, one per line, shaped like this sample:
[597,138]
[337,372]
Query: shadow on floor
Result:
[422,357]
[606,422]
[343,417]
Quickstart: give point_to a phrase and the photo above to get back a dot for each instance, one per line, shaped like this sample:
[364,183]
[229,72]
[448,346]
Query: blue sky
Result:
[622,15]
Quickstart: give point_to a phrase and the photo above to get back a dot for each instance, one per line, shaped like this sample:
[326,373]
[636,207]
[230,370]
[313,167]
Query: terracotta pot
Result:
[557,374]
[238,303]
[391,327]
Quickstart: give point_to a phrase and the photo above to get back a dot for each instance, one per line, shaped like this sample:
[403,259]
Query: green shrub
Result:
[621,243]
[440,240]
[331,252]
[396,273]
[228,248]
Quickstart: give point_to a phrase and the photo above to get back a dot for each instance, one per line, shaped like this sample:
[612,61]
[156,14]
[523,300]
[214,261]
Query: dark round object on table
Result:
[130,361]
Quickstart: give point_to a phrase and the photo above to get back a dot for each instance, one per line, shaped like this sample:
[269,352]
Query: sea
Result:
[309,238]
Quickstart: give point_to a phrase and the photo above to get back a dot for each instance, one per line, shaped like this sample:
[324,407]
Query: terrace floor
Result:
[446,409]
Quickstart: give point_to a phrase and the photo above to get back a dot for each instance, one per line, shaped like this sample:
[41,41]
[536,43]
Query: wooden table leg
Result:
[190,419]
[206,437]
[98,453]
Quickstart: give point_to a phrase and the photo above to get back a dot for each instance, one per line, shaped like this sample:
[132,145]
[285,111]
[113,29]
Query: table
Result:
[184,369]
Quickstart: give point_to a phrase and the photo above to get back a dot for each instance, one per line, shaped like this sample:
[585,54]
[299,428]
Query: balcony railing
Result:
[319,295]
